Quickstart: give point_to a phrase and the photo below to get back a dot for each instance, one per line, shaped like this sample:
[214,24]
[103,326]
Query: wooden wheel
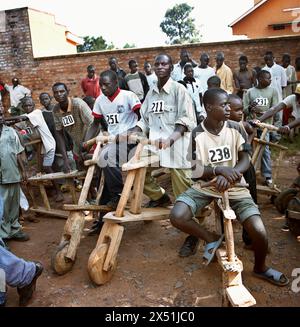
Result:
[59,263]
[96,263]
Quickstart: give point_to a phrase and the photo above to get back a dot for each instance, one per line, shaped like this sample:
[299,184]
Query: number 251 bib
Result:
[219,154]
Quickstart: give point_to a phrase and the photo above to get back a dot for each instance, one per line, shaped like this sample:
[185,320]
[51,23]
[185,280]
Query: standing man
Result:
[11,172]
[224,72]
[114,66]
[16,93]
[203,72]
[150,75]
[278,75]
[244,79]
[167,116]
[72,115]
[178,71]
[136,81]
[90,84]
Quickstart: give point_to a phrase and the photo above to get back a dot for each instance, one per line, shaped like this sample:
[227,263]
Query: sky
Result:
[137,21]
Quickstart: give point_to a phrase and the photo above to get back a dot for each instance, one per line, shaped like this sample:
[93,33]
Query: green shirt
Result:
[265,98]
[10,147]
[77,120]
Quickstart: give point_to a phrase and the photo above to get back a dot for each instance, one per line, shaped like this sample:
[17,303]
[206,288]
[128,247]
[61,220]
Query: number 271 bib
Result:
[219,154]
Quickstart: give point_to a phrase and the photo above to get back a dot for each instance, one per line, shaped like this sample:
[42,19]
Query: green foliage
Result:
[129,46]
[94,44]
[179,26]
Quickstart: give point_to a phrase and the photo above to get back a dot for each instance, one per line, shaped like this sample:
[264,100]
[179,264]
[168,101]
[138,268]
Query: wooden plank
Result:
[239,296]
[52,212]
[89,207]
[33,142]
[146,214]
[58,175]
[138,187]
[281,147]
[90,162]
[44,196]
[267,190]
[259,147]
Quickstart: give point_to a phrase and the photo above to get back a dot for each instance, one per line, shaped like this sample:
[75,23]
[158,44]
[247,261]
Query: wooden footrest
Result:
[59,175]
[146,214]
[88,207]
[239,296]
[51,212]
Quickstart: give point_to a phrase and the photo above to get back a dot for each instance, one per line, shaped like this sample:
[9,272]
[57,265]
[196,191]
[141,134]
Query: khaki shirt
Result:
[160,112]
[10,147]
[226,76]
[78,119]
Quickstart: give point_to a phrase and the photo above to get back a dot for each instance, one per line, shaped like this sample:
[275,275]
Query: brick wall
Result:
[40,74]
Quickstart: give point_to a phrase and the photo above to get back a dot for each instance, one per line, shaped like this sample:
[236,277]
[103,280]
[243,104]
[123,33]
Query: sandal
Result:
[273,276]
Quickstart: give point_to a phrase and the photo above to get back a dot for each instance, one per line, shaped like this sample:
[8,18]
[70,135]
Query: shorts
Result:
[244,208]
[49,158]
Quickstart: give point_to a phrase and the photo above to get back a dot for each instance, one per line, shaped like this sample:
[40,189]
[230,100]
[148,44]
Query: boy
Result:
[257,101]
[236,114]
[214,82]
[218,150]
[194,88]
[136,81]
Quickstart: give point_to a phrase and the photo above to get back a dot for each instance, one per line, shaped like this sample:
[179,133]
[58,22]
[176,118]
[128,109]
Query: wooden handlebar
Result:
[267,126]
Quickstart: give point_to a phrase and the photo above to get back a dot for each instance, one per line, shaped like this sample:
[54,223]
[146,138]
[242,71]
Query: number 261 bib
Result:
[219,154]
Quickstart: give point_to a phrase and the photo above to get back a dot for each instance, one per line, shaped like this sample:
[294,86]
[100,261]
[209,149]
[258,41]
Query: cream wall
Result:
[48,37]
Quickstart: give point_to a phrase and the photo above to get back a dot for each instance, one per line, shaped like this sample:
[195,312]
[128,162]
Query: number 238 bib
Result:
[219,154]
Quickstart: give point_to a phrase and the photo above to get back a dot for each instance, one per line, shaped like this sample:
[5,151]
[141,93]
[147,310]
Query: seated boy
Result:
[218,150]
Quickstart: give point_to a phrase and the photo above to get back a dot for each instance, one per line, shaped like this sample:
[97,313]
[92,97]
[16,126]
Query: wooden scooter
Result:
[234,292]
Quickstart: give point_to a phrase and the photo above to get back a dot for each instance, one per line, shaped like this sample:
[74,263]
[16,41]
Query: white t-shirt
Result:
[118,110]
[151,79]
[16,93]
[203,74]
[279,79]
[36,118]
[194,90]
[177,73]
[291,102]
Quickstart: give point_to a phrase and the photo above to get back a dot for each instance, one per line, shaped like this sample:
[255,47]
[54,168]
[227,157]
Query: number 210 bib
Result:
[219,154]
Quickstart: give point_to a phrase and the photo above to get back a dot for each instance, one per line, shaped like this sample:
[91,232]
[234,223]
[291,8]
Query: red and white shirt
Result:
[117,110]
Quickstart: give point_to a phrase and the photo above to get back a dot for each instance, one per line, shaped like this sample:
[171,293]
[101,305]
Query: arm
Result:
[272,111]
[145,84]
[177,134]
[250,131]
[22,167]
[61,147]
[229,82]
[95,128]
[236,81]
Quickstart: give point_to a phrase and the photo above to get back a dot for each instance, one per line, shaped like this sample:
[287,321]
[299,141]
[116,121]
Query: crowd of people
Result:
[197,116]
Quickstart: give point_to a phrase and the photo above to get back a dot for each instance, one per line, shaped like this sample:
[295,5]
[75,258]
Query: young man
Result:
[244,78]
[257,101]
[90,84]
[203,72]
[114,66]
[278,75]
[196,92]
[74,116]
[16,93]
[150,75]
[11,170]
[136,81]
[291,102]
[224,72]
[178,70]
[218,150]
[167,116]
[116,111]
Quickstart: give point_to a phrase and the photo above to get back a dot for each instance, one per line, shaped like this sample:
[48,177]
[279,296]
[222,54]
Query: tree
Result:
[129,46]
[179,27]
[94,44]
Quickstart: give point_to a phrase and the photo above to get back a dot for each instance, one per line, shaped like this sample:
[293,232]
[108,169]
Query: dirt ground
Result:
[149,271]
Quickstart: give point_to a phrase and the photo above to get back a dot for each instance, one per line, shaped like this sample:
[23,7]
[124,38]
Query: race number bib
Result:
[68,120]
[219,154]
[112,119]
[263,102]
[158,107]
[28,130]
